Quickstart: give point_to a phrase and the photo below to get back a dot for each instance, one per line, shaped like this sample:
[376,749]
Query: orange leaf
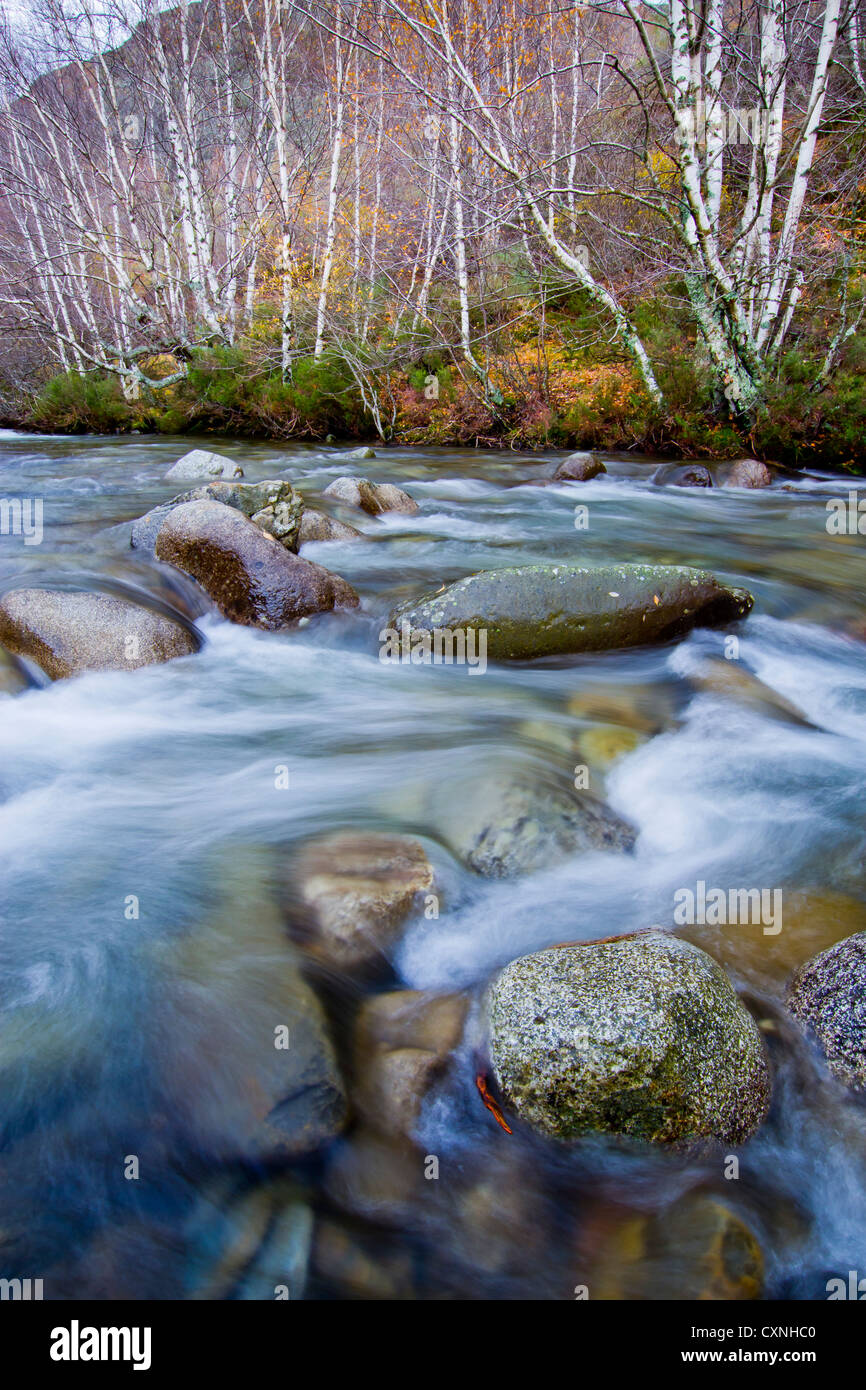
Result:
[490,1103]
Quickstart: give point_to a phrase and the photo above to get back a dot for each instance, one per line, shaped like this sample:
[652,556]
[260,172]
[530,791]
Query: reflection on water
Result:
[147,838]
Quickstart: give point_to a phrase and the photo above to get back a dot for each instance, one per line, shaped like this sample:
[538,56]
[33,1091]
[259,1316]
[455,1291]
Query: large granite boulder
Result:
[828,997]
[640,1036]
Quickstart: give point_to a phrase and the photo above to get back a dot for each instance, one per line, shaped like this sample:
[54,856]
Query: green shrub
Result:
[81,404]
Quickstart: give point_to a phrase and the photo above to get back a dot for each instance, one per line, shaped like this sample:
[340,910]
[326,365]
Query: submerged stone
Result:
[682,475]
[502,826]
[699,1247]
[355,891]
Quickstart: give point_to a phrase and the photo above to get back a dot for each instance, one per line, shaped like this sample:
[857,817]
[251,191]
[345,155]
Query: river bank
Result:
[534,401]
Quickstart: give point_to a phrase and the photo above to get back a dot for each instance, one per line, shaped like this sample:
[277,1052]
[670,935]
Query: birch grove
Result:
[349,178]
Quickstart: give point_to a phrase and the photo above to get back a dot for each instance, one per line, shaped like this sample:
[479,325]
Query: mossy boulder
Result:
[828,997]
[250,576]
[67,633]
[544,610]
[640,1036]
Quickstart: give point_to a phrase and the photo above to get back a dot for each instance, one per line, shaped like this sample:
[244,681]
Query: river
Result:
[158,786]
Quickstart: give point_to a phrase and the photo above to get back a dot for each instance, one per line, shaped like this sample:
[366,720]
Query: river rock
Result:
[273,505]
[403,1041]
[363,452]
[748,473]
[364,1265]
[640,1036]
[682,475]
[648,709]
[697,1248]
[318,526]
[542,610]
[144,530]
[579,468]
[828,997]
[248,1067]
[372,498]
[502,825]
[718,676]
[605,744]
[201,463]
[391,498]
[250,576]
[12,678]
[379,1179]
[355,891]
[67,633]
[251,1244]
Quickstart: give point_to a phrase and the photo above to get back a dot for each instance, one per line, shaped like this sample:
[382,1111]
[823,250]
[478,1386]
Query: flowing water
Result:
[119,1040]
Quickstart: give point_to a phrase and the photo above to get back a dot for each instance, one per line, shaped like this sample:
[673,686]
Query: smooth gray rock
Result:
[201,463]
[640,1036]
[67,633]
